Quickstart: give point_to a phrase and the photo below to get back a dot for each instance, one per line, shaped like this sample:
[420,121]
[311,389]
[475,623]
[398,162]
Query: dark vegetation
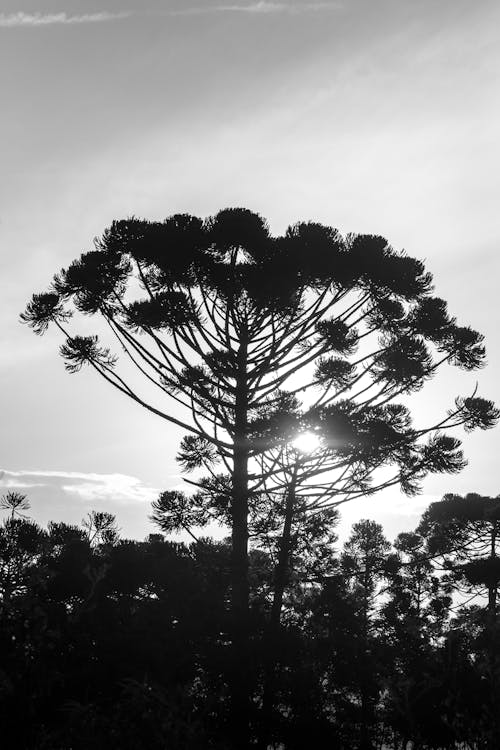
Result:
[248,341]
[112,643]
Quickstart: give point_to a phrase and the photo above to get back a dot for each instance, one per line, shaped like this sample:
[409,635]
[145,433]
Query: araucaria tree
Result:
[246,339]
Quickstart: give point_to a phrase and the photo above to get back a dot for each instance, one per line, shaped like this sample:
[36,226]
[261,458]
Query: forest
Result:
[110,642]
[290,363]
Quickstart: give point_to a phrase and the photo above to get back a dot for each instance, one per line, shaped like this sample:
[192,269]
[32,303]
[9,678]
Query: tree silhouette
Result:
[230,324]
[413,617]
[100,527]
[465,531]
[15,503]
[364,564]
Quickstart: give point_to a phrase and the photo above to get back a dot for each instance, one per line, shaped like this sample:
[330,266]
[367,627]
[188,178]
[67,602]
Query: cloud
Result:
[87,487]
[69,495]
[15,20]
[20,19]
[260,7]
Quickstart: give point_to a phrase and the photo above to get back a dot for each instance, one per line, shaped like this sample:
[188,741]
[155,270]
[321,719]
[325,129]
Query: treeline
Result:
[114,643]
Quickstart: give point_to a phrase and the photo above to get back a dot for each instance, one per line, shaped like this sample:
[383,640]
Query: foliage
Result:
[113,642]
[231,315]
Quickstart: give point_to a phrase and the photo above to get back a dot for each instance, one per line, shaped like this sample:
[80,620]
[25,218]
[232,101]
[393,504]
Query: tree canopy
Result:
[124,643]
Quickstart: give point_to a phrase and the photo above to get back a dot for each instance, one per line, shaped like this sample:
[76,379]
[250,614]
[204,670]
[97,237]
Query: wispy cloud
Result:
[69,495]
[14,20]
[88,487]
[20,19]
[261,7]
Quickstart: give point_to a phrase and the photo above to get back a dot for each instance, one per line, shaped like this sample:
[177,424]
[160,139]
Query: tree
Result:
[465,531]
[100,527]
[413,618]
[232,324]
[20,543]
[364,564]
[15,503]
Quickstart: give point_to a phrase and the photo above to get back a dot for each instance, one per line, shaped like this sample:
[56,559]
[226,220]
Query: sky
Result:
[371,116]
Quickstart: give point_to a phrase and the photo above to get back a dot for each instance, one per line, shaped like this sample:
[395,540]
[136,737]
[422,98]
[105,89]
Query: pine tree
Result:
[220,325]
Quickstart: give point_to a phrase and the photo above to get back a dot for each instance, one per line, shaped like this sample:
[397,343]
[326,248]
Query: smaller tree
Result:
[15,503]
[465,532]
[419,599]
[21,543]
[413,618]
[100,528]
[364,562]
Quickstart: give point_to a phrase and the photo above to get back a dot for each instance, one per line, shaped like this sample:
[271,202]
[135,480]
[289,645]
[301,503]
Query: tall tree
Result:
[219,317]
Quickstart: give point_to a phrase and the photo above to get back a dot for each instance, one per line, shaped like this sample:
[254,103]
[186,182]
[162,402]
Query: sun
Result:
[306,442]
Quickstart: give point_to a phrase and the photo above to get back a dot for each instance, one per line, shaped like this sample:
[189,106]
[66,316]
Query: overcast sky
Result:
[376,116]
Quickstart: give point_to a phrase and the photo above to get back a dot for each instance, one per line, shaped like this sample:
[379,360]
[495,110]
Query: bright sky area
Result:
[378,117]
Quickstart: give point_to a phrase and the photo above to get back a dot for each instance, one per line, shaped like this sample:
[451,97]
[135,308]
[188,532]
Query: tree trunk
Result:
[494,737]
[280,581]
[492,588]
[366,742]
[240,679]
